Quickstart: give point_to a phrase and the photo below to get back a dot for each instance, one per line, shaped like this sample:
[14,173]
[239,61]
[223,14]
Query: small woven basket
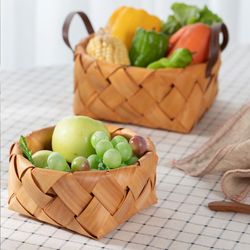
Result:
[91,203]
[171,99]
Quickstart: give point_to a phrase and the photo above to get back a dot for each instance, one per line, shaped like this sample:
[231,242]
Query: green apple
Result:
[40,158]
[71,136]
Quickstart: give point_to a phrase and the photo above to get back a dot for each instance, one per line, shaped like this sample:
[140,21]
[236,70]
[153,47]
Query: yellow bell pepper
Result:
[125,20]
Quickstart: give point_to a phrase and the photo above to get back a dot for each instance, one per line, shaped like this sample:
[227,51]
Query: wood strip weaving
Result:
[171,99]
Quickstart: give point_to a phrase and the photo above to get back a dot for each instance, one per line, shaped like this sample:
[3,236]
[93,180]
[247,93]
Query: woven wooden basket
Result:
[91,203]
[171,99]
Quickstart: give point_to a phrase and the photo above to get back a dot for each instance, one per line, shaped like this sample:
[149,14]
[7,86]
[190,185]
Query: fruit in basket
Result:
[101,166]
[179,59]
[139,145]
[194,37]
[57,162]
[40,158]
[80,163]
[98,136]
[94,160]
[102,146]
[125,20]
[132,160]
[147,47]
[106,154]
[125,150]
[110,154]
[118,138]
[108,48]
[112,158]
[71,136]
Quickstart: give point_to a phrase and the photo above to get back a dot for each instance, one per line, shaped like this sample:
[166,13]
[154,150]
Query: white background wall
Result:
[31,29]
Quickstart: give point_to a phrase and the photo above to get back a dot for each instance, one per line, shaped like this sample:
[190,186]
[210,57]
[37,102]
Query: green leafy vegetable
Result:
[24,147]
[208,17]
[171,26]
[184,14]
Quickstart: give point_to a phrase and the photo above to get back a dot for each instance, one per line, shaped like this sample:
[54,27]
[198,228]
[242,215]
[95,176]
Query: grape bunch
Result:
[112,153]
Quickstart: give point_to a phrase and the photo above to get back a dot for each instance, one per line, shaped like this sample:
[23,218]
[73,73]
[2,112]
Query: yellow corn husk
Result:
[108,48]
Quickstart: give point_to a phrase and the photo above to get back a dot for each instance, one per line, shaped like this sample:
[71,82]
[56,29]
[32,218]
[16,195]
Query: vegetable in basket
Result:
[147,47]
[185,14]
[108,48]
[124,22]
[194,37]
[179,59]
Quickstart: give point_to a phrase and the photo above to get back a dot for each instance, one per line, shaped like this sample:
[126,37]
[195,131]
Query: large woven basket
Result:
[171,99]
[91,203]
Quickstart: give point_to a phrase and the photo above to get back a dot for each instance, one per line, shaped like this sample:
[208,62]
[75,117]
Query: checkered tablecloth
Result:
[36,98]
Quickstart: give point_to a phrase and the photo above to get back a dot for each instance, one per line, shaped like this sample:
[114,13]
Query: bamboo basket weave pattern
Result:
[91,203]
[171,99]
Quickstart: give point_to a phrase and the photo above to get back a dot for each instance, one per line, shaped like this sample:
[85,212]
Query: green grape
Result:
[118,138]
[102,146]
[57,162]
[101,166]
[98,136]
[94,160]
[123,164]
[112,158]
[79,163]
[132,160]
[40,158]
[125,150]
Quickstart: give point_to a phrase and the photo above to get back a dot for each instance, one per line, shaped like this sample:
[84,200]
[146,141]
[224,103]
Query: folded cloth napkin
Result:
[228,151]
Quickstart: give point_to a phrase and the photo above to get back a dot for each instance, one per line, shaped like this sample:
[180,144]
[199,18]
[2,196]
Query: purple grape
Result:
[139,145]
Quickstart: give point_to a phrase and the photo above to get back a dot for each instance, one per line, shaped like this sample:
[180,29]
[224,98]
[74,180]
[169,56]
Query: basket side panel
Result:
[92,203]
[166,99]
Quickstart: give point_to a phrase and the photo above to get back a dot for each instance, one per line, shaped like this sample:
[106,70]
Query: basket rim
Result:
[80,49]
[112,129]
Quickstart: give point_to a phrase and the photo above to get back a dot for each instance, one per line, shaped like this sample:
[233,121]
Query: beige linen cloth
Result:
[228,151]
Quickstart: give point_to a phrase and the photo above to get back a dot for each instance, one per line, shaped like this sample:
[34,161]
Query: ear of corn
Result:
[108,48]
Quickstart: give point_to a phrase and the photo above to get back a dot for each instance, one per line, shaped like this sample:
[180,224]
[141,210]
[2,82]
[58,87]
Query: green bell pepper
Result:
[179,59]
[147,47]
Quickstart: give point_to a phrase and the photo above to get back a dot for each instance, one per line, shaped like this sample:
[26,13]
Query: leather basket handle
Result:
[67,22]
[215,47]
